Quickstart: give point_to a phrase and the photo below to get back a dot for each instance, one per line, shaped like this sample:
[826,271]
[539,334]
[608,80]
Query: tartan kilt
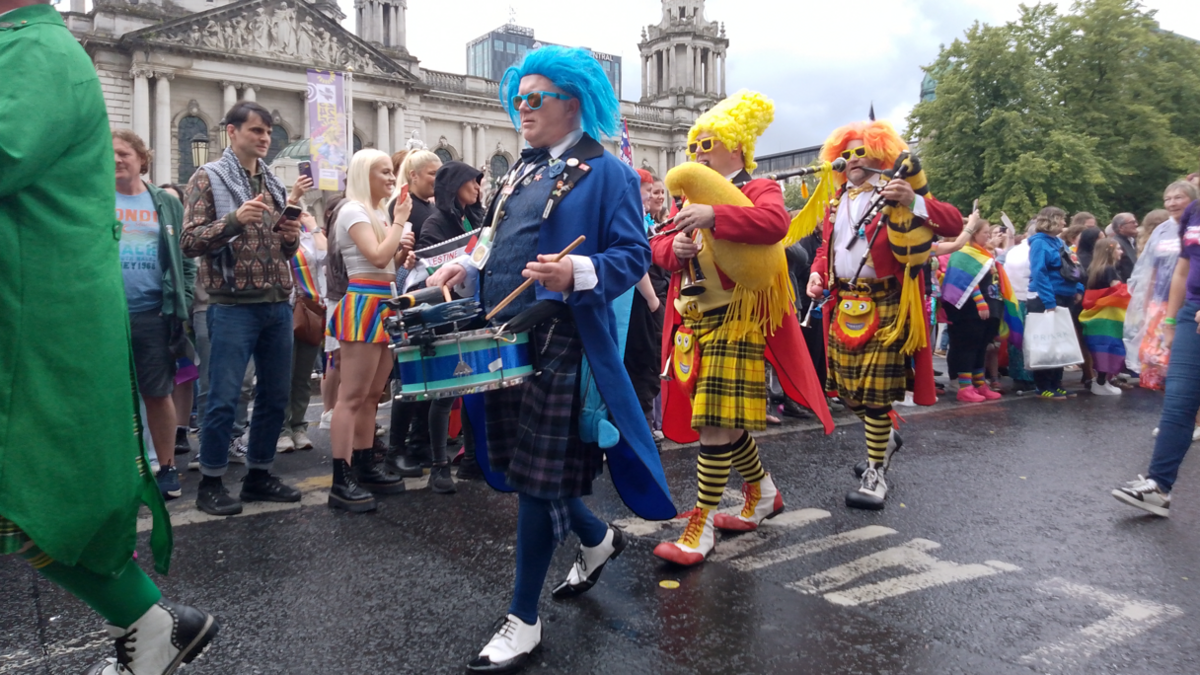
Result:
[874,374]
[533,427]
[731,389]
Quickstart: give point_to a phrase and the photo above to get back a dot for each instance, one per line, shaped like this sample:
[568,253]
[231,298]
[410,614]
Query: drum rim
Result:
[462,336]
[456,392]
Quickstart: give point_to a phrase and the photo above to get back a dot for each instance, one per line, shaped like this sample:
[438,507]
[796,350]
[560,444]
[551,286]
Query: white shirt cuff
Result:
[918,208]
[469,285]
[584,271]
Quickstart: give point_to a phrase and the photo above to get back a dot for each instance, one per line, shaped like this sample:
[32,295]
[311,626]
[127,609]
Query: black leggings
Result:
[969,340]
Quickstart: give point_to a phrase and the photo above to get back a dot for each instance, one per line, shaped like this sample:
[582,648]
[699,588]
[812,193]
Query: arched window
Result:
[189,128]
[279,141]
[499,166]
[444,155]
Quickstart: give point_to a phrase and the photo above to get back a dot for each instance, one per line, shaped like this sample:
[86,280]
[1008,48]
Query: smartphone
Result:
[306,170]
[289,213]
[975,206]
[403,193]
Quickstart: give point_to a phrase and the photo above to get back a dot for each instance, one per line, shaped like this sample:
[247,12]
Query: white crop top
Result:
[356,263]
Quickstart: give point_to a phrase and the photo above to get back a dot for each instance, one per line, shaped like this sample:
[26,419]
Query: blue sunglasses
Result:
[534,99]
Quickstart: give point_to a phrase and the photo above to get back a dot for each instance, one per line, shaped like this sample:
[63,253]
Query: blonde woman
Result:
[371,246]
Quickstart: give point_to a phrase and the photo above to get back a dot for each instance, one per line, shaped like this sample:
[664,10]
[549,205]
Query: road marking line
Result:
[9,662]
[1130,617]
[908,553]
[735,545]
[802,549]
[942,572]
[639,527]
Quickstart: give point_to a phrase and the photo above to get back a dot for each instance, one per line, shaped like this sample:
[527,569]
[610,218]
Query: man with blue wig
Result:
[538,439]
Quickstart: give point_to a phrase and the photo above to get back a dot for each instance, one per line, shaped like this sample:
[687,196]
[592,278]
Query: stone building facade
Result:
[171,68]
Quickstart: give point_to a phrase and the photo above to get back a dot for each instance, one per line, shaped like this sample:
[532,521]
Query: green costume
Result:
[72,471]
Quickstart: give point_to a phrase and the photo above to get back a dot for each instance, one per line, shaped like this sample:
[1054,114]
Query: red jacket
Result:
[766,222]
[946,221]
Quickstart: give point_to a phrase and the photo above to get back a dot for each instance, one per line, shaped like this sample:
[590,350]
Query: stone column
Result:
[229,96]
[680,156]
[662,162]
[248,92]
[304,108]
[141,102]
[398,135]
[481,154]
[401,27]
[721,77]
[162,127]
[690,67]
[381,127]
[645,76]
[377,30]
[668,68]
[468,145]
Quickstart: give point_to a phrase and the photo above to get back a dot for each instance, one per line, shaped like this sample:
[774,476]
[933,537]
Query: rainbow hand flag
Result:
[306,284]
[1103,320]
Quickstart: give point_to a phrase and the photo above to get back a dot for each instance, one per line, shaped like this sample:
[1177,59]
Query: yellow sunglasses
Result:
[703,145]
[860,151]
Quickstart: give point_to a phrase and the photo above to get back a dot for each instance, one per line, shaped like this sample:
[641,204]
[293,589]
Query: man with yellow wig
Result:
[871,360]
[719,395]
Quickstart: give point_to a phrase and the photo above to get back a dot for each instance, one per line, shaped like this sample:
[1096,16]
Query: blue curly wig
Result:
[575,72]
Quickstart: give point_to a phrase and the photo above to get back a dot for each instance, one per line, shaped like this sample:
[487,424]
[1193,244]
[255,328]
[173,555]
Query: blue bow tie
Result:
[534,155]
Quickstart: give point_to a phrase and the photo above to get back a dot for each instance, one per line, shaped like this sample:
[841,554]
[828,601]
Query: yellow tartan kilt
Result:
[731,391]
[874,374]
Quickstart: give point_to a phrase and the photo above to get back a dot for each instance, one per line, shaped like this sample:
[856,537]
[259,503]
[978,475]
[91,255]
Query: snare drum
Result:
[463,363]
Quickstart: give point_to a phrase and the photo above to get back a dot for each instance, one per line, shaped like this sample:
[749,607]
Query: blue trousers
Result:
[535,548]
[1182,400]
[237,332]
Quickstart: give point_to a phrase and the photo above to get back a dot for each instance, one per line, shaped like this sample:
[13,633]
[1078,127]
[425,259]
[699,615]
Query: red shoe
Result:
[763,501]
[985,391]
[697,540]
[969,395]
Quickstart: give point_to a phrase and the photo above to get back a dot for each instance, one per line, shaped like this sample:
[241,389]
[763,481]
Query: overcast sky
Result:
[821,68]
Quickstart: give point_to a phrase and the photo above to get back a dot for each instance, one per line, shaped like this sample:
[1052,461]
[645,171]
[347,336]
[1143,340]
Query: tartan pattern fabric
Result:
[875,374]
[731,390]
[360,313]
[533,427]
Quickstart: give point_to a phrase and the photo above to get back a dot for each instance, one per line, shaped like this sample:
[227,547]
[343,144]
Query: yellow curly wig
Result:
[879,137]
[738,120]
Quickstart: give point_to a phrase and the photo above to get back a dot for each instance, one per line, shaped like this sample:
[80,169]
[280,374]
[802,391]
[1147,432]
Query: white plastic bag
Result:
[1050,340]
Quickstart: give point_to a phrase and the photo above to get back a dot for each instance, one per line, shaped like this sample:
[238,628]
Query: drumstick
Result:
[446,292]
[529,282]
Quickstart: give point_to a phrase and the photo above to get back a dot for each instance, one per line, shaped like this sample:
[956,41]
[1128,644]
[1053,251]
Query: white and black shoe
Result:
[165,637]
[894,445]
[871,493]
[509,648]
[1145,494]
[589,563]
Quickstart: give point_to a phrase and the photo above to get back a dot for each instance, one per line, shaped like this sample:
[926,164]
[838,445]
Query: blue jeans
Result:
[1182,400]
[237,332]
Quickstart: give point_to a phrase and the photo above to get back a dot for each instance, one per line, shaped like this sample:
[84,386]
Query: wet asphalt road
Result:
[1000,551]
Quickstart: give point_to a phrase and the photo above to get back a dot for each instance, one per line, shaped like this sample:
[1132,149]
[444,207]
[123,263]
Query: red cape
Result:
[765,222]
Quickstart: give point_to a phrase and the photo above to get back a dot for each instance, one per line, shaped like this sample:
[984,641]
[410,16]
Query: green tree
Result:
[1090,111]
[793,195]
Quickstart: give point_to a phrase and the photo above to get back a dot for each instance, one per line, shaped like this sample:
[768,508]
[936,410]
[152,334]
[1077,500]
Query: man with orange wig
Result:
[869,366]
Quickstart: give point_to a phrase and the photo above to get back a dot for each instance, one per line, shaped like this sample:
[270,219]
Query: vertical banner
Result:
[626,151]
[328,143]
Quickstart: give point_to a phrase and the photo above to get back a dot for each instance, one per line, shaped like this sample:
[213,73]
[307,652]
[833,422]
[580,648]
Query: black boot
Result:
[374,476]
[440,480]
[346,493]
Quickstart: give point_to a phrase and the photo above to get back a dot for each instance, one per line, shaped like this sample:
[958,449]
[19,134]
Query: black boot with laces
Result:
[346,493]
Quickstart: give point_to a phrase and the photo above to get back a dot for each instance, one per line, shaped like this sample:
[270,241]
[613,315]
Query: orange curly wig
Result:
[880,138]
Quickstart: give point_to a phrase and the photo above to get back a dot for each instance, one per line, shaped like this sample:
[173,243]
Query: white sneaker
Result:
[1145,494]
[589,562]
[301,440]
[285,443]
[326,420]
[165,637]
[699,537]
[1116,391]
[908,400]
[1154,434]
[1196,434]
[237,450]
[1104,389]
[509,648]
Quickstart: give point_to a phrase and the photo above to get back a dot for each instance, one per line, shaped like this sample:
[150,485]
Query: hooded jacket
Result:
[447,219]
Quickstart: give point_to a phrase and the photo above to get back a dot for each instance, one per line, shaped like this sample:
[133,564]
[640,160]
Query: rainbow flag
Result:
[1013,326]
[1103,320]
[964,271]
[306,284]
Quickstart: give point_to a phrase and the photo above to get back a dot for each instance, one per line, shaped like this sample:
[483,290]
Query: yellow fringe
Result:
[912,312]
[814,209]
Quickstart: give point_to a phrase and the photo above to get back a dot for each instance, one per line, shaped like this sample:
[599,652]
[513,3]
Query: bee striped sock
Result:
[879,431]
[712,472]
[745,459]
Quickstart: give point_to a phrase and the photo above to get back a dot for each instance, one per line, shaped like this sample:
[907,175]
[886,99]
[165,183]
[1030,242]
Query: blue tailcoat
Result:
[605,206]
